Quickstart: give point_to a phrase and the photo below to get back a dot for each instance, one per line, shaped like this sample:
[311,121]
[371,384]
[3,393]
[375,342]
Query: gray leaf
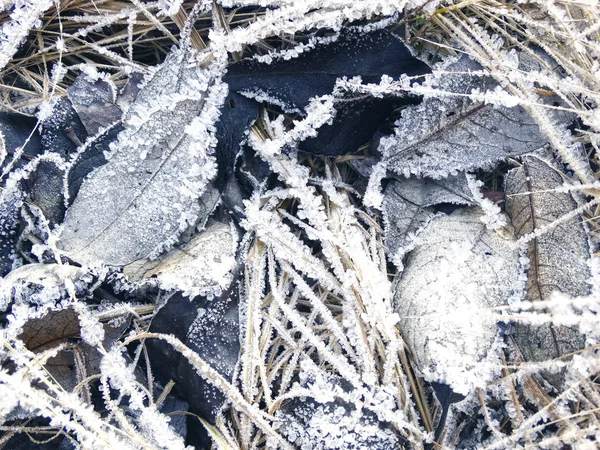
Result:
[458,270]
[407,207]
[94,102]
[427,192]
[558,258]
[402,221]
[203,266]
[147,193]
[444,135]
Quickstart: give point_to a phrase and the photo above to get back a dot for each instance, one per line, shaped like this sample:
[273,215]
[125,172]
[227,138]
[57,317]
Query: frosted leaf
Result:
[16,130]
[447,134]
[408,207]
[50,330]
[41,284]
[402,221]
[149,191]
[558,258]
[94,101]
[2,149]
[62,130]
[201,267]
[336,418]
[427,192]
[11,200]
[291,82]
[211,329]
[46,189]
[458,271]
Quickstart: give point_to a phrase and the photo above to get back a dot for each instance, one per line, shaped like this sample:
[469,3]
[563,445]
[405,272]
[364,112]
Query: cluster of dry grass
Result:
[287,319]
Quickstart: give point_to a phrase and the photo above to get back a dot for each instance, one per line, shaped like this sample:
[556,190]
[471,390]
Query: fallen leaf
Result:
[458,271]
[95,103]
[15,129]
[62,131]
[46,190]
[409,205]
[203,266]
[558,258]
[90,157]
[51,330]
[40,284]
[325,417]
[447,134]
[11,200]
[148,193]
[211,329]
[291,82]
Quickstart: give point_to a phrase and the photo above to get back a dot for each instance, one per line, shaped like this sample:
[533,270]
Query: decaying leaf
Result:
[208,327]
[40,284]
[62,326]
[291,81]
[95,103]
[149,191]
[457,272]
[54,328]
[203,266]
[447,134]
[408,206]
[558,258]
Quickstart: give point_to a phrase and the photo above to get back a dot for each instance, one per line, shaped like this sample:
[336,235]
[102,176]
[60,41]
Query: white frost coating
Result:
[169,7]
[38,284]
[263,97]
[139,202]
[202,267]
[373,196]
[493,217]
[23,19]
[295,16]
[323,414]
[155,426]
[457,272]
[455,128]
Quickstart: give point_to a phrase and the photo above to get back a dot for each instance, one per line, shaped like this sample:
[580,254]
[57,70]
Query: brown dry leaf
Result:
[53,329]
[558,258]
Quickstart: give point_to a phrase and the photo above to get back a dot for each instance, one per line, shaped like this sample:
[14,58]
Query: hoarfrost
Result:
[203,266]
[148,192]
[452,130]
[408,206]
[325,414]
[458,272]
[23,18]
